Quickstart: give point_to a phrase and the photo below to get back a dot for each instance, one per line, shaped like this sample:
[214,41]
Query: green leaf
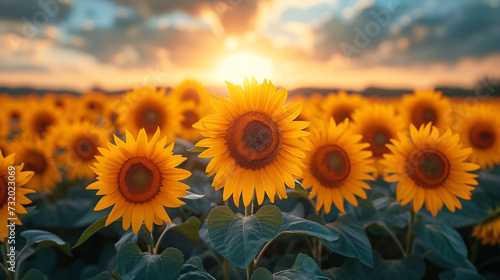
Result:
[460,274]
[410,268]
[299,188]
[303,268]
[134,264]
[193,269]
[190,229]
[91,230]
[239,239]
[490,180]
[353,241]
[262,274]
[104,276]
[197,149]
[350,270]
[296,225]
[445,240]
[45,239]
[34,274]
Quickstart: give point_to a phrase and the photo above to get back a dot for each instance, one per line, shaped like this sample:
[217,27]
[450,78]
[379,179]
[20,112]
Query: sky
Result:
[117,44]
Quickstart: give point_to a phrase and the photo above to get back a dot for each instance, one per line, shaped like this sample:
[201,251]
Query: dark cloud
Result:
[48,11]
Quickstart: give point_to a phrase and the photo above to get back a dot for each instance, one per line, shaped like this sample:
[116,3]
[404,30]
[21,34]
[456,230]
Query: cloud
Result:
[49,11]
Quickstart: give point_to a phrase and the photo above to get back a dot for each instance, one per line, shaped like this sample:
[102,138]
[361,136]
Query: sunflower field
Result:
[250,183]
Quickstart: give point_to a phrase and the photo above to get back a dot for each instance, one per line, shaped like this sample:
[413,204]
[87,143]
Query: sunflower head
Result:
[488,231]
[336,165]
[37,156]
[150,109]
[430,168]
[40,117]
[377,124]
[426,106]
[253,142]
[341,106]
[479,129]
[139,179]
[21,178]
[191,90]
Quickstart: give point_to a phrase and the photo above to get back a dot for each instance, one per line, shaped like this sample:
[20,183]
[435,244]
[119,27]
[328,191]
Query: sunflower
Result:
[191,90]
[92,106]
[37,155]
[253,142]
[40,117]
[430,167]
[4,126]
[81,141]
[61,101]
[378,124]
[489,229]
[13,111]
[479,129]
[336,165]
[139,178]
[340,106]
[425,106]
[20,179]
[310,107]
[150,109]
[191,115]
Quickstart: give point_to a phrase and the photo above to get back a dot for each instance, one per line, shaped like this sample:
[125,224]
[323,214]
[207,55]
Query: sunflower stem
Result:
[8,274]
[427,254]
[251,267]
[225,269]
[409,235]
[395,238]
[158,242]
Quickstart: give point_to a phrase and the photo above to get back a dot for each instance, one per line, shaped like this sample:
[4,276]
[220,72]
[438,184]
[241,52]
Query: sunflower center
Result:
[42,121]
[423,114]
[150,117]
[254,140]
[377,137]
[139,180]
[85,149]
[330,165]
[3,191]
[428,168]
[342,113]
[190,117]
[191,94]
[36,162]
[482,136]
[94,106]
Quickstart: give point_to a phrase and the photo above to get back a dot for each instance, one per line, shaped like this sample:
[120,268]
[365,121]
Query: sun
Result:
[235,67]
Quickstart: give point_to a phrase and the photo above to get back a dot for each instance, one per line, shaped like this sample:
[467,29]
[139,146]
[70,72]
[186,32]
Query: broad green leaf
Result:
[104,276]
[350,270]
[299,188]
[45,239]
[34,274]
[353,241]
[303,268]
[410,268]
[134,264]
[197,149]
[190,229]
[490,180]
[296,225]
[239,239]
[262,274]
[460,274]
[127,237]
[193,269]
[91,230]
[445,240]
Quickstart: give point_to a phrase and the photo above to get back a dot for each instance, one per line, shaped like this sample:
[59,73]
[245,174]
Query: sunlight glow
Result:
[235,67]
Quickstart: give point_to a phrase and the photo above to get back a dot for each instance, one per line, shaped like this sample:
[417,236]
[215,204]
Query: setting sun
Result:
[237,66]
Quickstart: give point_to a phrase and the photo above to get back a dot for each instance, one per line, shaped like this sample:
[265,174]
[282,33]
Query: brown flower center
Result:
[254,140]
[139,180]
[150,116]
[190,118]
[482,136]
[428,168]
[85,148]
[377,137]
[4,194]
[342,113]
[35,161]
[191,93]
[42,121]
[330,165]
[423,114]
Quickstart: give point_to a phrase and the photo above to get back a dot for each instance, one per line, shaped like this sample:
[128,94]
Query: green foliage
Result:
[91,230]
[353,241]
[34,274]
[197,149]
[45,239]
[350,270]
[189,228]
[411,268]
[193,269]
[239,239]
[303,268]
[296,225]
[460,274]
[300,189]
[134,264]
[445,240]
